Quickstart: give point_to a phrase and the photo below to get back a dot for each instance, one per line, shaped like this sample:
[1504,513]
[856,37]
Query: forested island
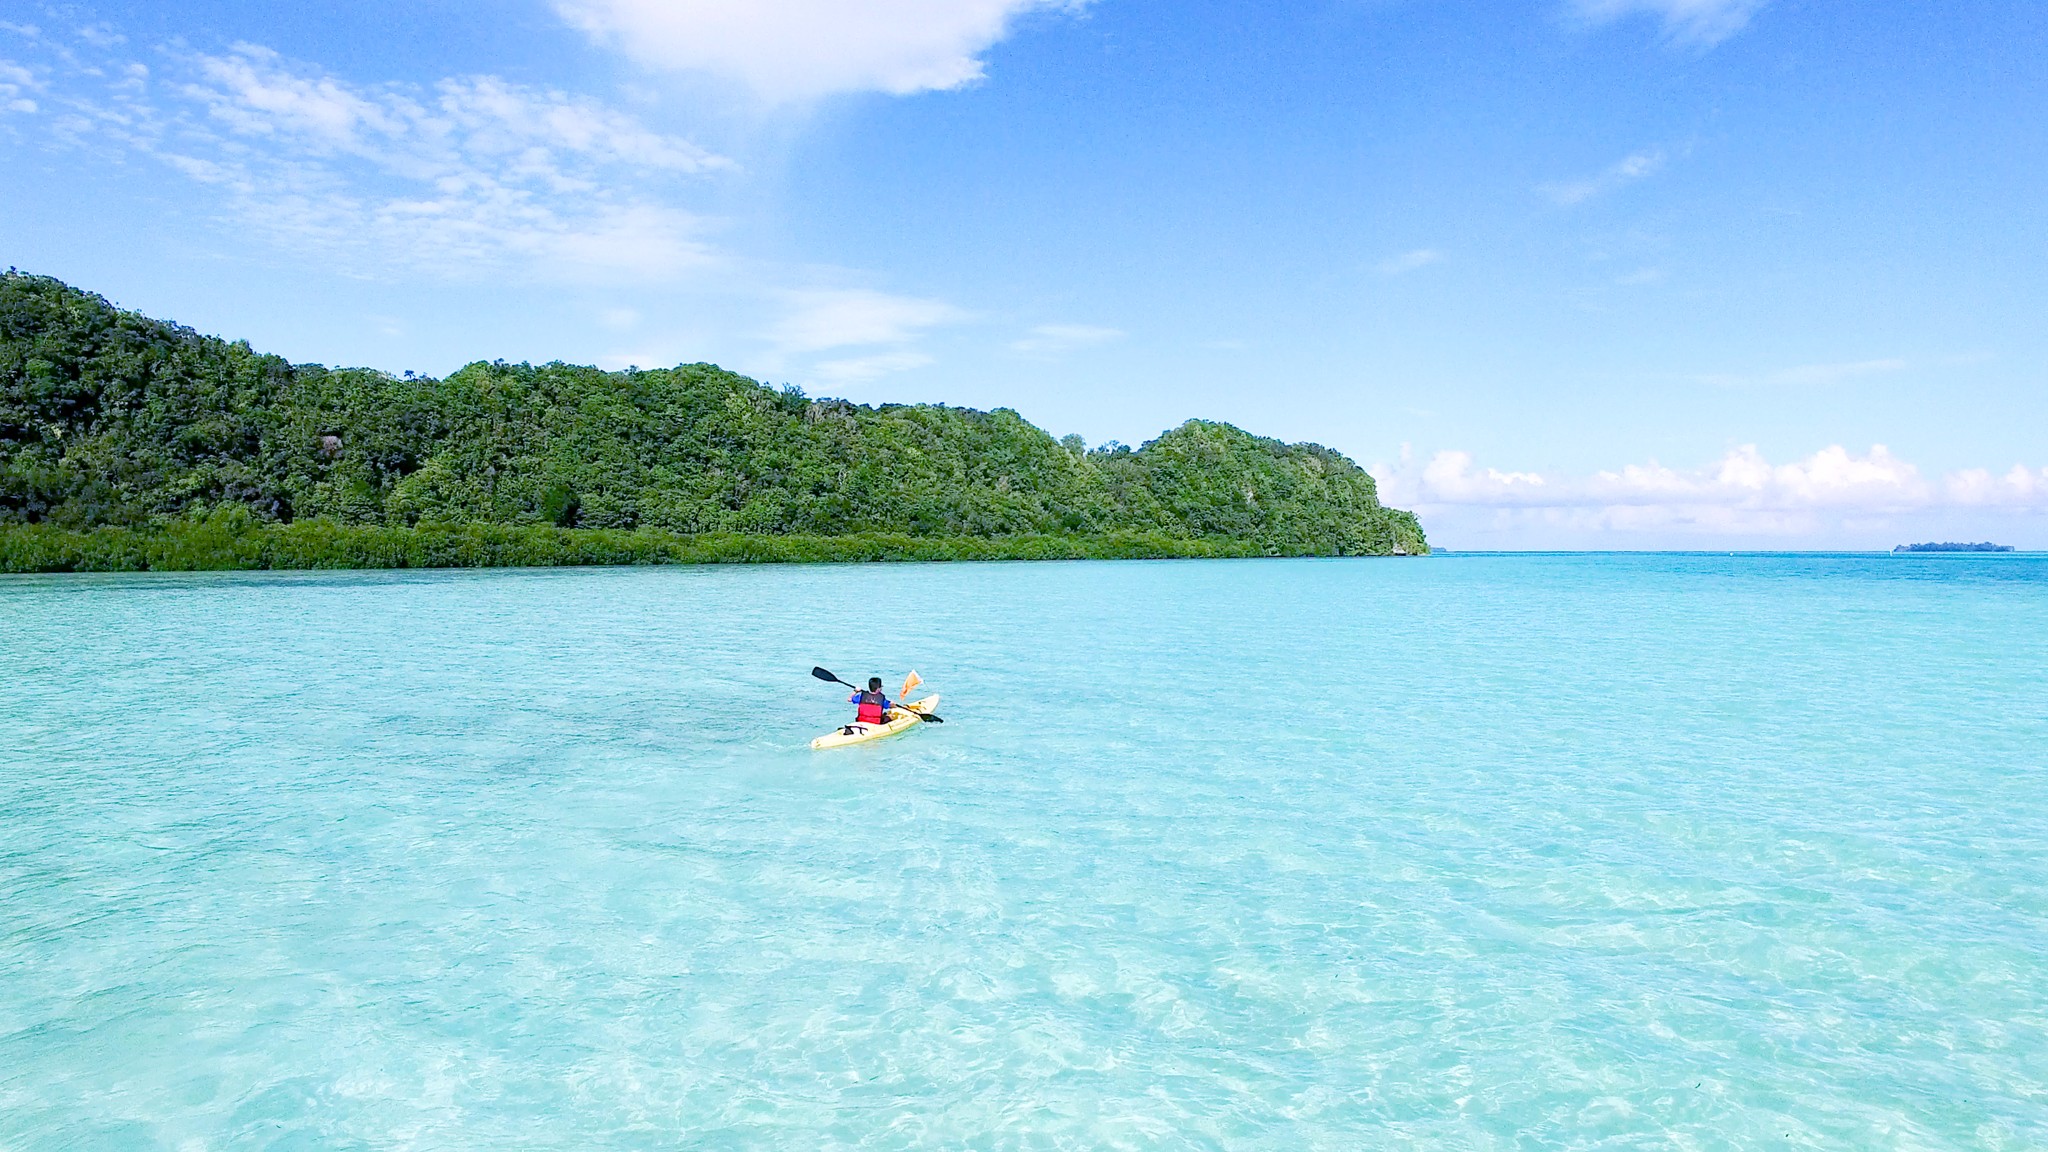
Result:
[1951,546]
[132,443]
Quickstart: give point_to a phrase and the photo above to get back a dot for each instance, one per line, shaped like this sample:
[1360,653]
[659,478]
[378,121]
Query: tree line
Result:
[109,418]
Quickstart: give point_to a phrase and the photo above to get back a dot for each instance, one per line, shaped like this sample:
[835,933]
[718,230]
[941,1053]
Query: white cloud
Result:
[1627,170]
[1449,478]
[1703,23]
[458,127]
[2019,487]
[1053,339]
[820,319]
[1741,494]
[1409,261]
[472,178]
[1806,375]
[824,320]
[469,176]
[792,50]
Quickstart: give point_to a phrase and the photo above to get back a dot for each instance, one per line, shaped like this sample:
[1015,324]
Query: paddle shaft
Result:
[824,674]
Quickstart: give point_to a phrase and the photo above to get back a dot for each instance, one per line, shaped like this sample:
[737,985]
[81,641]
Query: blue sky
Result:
[1563,273]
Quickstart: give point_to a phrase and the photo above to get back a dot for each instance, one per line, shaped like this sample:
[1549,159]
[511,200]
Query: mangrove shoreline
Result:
[239,544]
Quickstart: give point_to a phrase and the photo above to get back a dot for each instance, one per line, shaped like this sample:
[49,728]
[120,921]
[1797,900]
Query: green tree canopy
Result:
[108,417]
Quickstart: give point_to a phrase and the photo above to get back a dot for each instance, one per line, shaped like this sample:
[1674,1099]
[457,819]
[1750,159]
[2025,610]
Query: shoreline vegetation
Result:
[128,443]
[239,543]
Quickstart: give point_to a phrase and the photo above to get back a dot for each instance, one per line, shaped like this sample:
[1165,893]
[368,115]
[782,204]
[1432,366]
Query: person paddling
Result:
[874,705]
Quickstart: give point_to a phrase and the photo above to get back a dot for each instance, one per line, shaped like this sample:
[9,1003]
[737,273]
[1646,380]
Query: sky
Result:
[1561,273]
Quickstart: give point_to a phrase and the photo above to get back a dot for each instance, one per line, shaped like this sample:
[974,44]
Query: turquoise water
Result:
[1468,852]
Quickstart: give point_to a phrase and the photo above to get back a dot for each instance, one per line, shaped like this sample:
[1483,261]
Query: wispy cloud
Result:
[790,50]
[459,125]
[1804,375]
[101,35]
[821,319]
[1625,171]
[1742,493]
[467,176]
[18,87]
[1409,261]
[1701,23]
[861,369]
[1053,339]
[817,327]
[619,319]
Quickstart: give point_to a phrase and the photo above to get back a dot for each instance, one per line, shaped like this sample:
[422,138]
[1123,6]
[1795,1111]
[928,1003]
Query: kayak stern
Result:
[898,720]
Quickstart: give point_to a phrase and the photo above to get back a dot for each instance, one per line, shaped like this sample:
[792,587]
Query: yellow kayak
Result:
[894,721]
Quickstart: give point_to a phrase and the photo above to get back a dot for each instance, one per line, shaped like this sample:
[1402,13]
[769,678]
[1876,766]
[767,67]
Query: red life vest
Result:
[871,708]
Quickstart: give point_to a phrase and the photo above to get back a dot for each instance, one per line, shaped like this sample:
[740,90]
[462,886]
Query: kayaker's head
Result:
[874,683]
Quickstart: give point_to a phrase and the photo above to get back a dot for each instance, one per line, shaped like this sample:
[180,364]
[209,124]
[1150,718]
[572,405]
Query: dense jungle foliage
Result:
[110,419]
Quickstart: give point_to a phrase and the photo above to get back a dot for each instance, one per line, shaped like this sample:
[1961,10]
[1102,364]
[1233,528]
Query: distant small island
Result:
[1951,546]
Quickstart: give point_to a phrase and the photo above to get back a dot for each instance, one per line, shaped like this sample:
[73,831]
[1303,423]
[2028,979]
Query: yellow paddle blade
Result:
[909,682]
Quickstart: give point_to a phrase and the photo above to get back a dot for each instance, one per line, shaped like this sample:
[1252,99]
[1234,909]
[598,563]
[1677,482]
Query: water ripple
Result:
[1478,852]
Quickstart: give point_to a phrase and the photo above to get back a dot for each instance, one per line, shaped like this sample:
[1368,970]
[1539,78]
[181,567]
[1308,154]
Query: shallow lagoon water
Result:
[1465,852]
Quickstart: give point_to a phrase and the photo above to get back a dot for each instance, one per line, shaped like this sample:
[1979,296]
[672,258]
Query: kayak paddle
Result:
[829,678]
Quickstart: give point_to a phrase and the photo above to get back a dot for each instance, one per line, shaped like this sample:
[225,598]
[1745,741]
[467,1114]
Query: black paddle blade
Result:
[821,674]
